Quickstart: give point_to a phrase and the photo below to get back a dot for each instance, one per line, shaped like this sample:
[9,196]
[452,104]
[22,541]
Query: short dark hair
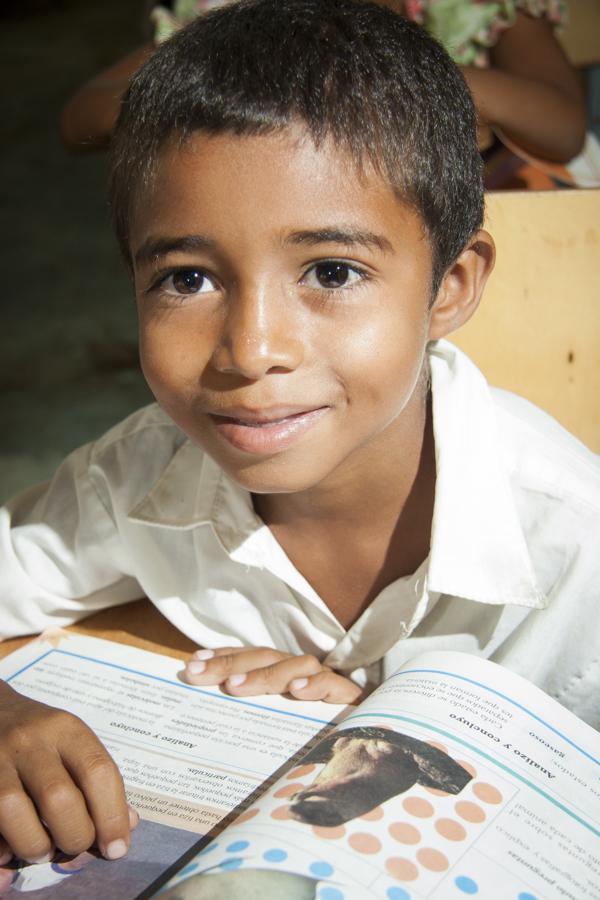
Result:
[351,71]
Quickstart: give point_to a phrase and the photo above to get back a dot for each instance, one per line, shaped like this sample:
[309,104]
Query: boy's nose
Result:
[258,336]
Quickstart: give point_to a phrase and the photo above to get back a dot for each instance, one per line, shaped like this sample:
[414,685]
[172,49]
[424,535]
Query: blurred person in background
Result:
[528,96]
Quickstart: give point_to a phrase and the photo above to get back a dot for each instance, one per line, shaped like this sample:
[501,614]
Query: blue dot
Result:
[234,863]
[207,849]
[396,893]
[275,855]
[330,893]
[321,869]
[525,896]
[188,869]
[466,885]
[237,846]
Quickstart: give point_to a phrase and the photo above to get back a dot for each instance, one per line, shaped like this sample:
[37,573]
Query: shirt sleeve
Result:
[61,556]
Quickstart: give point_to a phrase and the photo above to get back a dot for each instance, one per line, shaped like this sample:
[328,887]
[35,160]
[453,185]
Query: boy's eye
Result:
[187,281]
[332,274]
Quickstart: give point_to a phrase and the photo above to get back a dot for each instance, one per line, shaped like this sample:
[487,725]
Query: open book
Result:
[454,778]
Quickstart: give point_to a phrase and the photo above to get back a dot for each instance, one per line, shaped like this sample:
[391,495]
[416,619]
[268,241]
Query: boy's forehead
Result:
[269,155]
[277,179]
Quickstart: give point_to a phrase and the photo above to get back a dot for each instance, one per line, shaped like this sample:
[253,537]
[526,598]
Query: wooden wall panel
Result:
[537,331]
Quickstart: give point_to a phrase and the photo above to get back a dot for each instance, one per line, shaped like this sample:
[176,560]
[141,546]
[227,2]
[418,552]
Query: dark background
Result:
[68,362]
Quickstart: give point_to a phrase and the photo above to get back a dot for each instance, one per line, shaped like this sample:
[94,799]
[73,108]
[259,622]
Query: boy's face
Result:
[284,305]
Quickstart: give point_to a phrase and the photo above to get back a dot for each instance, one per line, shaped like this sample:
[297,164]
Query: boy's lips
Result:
[266,431]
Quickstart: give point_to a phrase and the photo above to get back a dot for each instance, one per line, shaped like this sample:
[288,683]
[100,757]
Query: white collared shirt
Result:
[513,571]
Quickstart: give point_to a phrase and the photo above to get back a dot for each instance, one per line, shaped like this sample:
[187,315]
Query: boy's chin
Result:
[274,476]
[294,469]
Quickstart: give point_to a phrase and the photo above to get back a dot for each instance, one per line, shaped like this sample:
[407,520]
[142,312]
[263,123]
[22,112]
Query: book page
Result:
[455,778]
[188,755]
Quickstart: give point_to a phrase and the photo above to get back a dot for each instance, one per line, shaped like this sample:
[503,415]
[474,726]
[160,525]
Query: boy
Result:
[325,487]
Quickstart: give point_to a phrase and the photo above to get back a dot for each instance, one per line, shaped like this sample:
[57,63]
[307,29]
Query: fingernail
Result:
[236,680]
[203,654]
[46,858]
[196,668]
[115,850]
[298,683]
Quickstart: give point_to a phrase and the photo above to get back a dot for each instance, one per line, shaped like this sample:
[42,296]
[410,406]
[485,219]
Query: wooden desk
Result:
[138,624]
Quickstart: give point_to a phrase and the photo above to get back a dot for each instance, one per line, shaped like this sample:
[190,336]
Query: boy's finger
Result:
[225,663]
[20,825]
[204,653]
[100,781]
[58,801]
[326,685]
[6,853]
[273,678]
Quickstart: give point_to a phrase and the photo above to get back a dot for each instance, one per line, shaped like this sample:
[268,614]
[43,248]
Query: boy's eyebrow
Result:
[153,248]
[347,236]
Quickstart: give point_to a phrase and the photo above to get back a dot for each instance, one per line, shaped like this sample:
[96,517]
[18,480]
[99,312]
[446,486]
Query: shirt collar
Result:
[193,490]
[478,550]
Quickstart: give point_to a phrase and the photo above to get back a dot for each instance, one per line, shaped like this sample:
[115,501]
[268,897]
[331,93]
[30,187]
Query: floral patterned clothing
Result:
[467,28]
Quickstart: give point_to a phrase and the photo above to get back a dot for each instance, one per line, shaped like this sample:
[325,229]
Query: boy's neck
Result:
[353,539]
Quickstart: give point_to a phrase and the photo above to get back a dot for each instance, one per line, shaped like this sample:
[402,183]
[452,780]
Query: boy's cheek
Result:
[169,358]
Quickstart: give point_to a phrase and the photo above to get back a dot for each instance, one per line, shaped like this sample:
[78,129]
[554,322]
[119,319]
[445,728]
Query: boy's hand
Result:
[245,671]
[59,787]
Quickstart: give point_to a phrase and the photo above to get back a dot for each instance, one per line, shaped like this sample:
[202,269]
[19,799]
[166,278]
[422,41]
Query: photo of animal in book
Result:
[364,767]
[358,812]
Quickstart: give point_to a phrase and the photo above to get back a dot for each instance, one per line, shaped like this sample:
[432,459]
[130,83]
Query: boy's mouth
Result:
[266,431]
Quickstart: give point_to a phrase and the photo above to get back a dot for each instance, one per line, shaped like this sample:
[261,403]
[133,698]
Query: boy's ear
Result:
[462,286]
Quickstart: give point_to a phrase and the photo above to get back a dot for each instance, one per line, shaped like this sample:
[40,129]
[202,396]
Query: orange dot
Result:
[364,843]
[470,812]
[289,790]
[437,792]
[404,833]
[282,812]
[438,746]
[246,816]
[450,829]
[300,771]
[373,815]
[487,792]
[416,806]
[333,833]
[470,769]
[432,859]
[401,869]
